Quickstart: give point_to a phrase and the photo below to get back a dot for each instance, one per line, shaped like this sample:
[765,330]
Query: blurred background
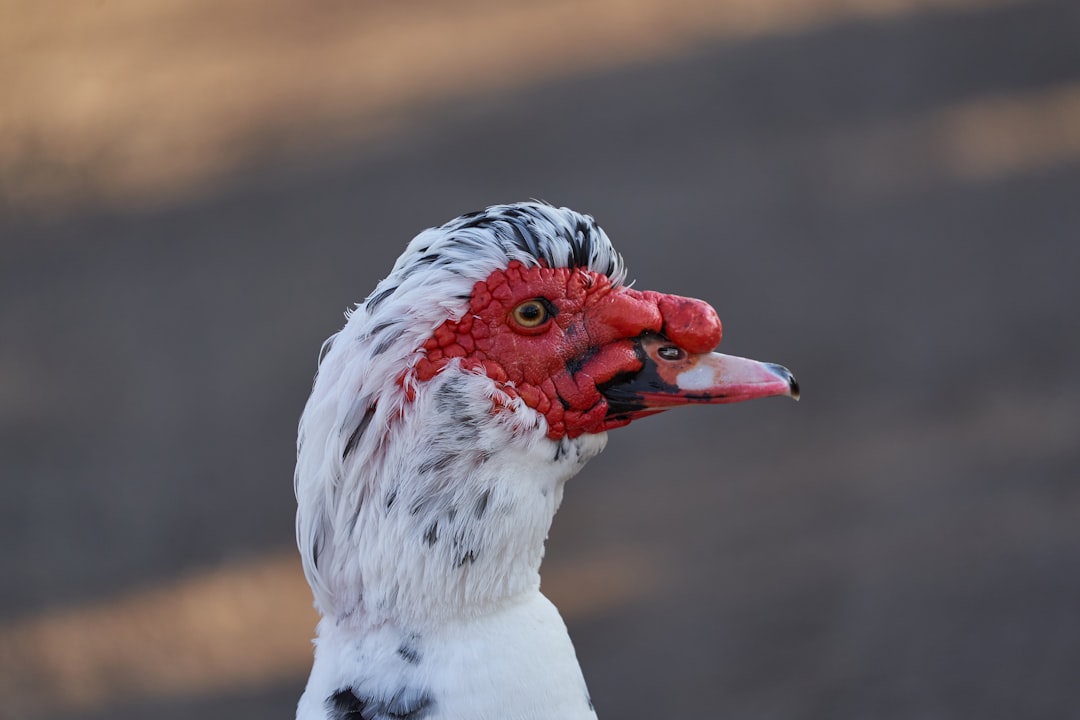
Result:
[883,195]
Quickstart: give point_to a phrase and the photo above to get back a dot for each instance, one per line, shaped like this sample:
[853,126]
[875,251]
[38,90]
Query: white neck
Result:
[448,517]
[517,662]
[433,567]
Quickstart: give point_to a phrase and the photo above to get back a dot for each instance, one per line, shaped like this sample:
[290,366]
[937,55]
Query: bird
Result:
[444,420]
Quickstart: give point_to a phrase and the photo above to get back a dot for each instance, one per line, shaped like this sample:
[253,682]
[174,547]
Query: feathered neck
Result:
[446,514]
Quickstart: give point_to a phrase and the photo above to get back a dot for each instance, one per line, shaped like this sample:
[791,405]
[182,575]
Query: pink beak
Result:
[670,376]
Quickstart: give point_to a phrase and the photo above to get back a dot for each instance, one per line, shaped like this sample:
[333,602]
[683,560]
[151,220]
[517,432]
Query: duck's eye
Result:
[532,314]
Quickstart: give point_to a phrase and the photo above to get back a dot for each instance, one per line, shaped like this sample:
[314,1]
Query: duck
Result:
[444,421]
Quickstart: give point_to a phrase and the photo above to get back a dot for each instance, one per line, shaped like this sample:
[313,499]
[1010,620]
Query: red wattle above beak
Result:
[670,377]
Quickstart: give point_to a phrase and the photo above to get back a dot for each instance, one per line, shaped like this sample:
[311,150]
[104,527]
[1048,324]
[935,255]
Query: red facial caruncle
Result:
[572,331]
[558,337]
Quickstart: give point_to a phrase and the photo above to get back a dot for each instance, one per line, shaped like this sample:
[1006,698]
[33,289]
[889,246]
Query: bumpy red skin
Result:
[556,367]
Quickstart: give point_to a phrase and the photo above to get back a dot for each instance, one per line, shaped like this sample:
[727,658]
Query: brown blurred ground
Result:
[881,195]
[127,103]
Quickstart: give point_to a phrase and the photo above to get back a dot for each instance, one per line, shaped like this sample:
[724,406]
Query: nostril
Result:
[670,352]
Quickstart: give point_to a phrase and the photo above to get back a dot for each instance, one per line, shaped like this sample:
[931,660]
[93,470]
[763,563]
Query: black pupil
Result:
[530,311]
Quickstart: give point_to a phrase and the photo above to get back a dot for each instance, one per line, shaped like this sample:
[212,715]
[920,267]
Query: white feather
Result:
[421,522]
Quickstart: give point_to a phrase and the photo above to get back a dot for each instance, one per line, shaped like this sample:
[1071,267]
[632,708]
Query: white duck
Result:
[446,416]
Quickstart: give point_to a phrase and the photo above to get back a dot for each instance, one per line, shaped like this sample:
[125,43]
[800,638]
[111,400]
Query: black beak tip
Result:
[783,372]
